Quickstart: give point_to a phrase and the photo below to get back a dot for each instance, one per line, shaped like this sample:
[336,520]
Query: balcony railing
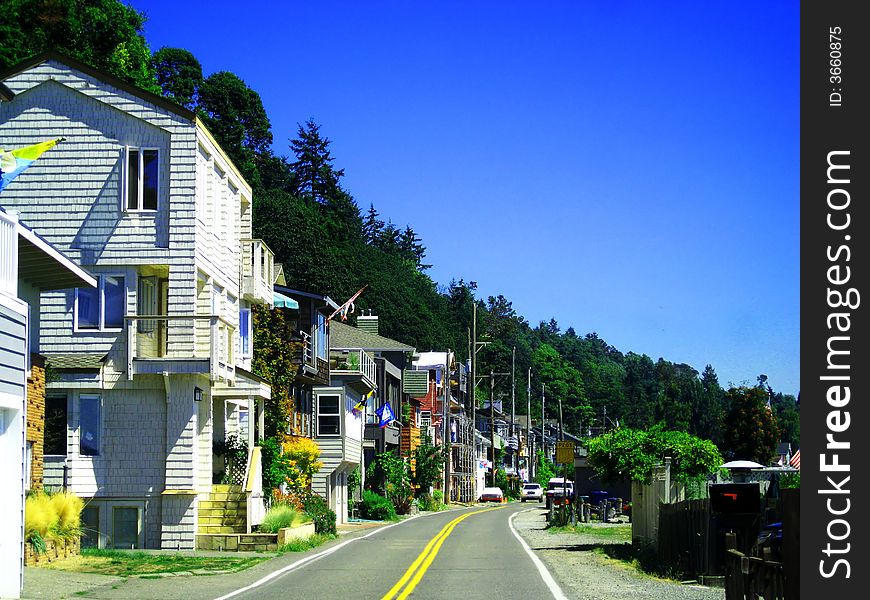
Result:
[353,362]
[169,337]
[258,271]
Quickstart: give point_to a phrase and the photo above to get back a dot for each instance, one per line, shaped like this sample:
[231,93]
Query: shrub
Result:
[279,517]
[376,507]
[318,510]
[431,502]
[68,507]
[40,515]
[52,516]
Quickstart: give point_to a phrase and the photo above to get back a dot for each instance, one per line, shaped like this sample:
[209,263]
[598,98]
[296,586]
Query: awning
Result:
[282,301]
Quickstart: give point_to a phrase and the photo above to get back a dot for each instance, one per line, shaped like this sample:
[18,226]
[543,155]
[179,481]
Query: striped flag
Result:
[13,162]
[347,308]
[796,460]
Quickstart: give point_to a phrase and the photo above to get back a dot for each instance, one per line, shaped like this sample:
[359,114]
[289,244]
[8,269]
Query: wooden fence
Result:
[684,536]
[750,578]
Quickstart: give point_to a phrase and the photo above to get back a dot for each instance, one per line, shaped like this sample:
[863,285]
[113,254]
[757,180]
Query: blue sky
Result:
[628,168]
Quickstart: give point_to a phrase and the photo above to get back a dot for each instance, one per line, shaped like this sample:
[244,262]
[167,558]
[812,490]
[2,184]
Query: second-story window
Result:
[245,331]
[103,307]
[328,415]
[141,178]
[322,338]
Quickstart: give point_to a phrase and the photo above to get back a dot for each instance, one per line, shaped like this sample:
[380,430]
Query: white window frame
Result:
[125,188]
[99,399]
[101,298]
[338,414]
[425,417]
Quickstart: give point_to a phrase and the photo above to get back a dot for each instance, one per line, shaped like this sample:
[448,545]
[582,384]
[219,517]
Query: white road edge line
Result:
[542,569]
[308,559]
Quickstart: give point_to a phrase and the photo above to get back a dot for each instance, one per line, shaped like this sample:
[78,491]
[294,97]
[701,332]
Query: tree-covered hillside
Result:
[328,244]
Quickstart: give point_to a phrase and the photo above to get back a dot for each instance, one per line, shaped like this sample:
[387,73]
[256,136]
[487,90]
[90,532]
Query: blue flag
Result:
[385,415]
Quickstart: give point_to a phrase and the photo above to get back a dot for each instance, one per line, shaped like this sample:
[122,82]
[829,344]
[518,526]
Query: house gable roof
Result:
[345,336]
[50,55]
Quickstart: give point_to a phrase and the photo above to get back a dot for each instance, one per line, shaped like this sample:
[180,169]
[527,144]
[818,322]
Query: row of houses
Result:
[126,361]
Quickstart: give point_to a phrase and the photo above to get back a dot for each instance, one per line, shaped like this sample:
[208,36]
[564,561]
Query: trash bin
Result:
[596,496]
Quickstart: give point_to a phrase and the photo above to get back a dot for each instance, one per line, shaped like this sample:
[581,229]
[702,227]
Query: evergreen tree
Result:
[372,226]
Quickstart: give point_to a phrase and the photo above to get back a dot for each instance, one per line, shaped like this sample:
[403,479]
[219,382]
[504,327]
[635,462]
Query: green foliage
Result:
[626,453]
[751,431]
[178,74]
[318,511]
[278,517]
[105,34]
[431,502]
[277,468]
[428,465]
[376,507]
[790,481]
[545,471]
[392,476]
[274,349]
[305,544]
[234,114]
[37,542]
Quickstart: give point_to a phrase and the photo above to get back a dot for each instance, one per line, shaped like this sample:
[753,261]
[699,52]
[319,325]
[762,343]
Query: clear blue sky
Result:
[628,168]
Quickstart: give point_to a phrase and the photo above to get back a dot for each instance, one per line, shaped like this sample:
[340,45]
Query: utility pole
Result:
[513,413]
[475,346]
[445,417]
[561,432]
[543,417]
[530,459]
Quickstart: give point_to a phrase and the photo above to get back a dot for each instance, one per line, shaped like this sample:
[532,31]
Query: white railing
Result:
[258,271]
[8,255]
[150,336]
[353,361]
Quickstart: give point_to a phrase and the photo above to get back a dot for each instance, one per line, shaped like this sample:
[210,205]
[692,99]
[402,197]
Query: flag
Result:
[347,308]
[13,162]
[385,415]
[796,460]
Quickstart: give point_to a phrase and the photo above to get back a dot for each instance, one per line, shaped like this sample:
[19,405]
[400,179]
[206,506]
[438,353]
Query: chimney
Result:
[368,323]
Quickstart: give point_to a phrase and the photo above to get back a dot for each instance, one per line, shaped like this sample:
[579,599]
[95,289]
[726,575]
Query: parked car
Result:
[532,491]
[492,494]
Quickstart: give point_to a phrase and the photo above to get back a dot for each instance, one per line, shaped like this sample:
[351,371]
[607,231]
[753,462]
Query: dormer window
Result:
[141,179]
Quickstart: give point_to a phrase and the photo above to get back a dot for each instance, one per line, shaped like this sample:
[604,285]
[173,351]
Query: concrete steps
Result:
[224,512]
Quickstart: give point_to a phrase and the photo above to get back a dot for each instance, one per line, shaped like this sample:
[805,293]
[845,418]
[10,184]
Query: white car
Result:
[492,494]
[532,491]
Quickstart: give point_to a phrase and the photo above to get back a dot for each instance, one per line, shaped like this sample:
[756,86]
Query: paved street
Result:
[464,553]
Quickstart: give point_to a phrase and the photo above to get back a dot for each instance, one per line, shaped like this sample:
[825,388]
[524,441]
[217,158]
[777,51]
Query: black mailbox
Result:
[735,498]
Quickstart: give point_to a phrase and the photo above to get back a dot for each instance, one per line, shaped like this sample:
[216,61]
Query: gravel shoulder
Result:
[587,575]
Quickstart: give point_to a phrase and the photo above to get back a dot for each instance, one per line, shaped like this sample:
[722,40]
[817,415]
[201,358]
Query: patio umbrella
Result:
[741,464]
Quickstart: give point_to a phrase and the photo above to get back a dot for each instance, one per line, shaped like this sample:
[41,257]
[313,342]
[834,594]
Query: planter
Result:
[54,551]
[286,534]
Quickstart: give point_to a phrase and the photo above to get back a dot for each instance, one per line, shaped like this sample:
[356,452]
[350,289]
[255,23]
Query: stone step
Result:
[259,538]
[220,529]
[220,511]
[227,497]
[227,521]
[224,488]
[258,547]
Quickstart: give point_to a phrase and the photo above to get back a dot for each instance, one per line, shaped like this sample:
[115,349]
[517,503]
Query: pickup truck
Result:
[559,491]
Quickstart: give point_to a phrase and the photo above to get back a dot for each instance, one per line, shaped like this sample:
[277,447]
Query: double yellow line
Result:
[418,568]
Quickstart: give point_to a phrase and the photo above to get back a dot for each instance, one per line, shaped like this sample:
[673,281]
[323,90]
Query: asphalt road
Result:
[469,553]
